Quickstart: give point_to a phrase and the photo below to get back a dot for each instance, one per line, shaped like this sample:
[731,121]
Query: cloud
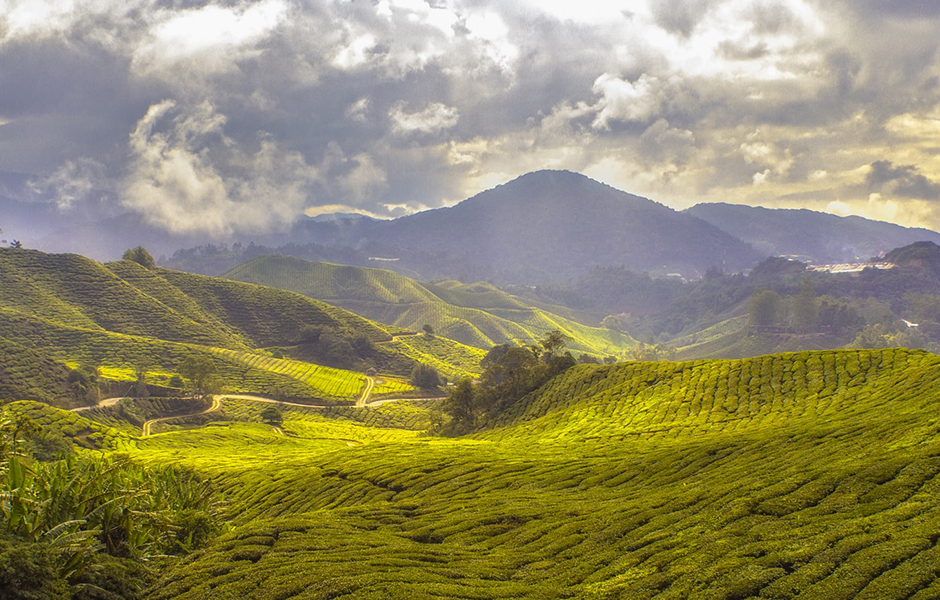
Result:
[417,103]
[187,176]
[72,183]
[433,119]
[207,39]
[626,101]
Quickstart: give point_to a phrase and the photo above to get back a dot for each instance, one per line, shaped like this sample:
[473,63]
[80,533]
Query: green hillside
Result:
[58,312]
[476,314]
[810,475]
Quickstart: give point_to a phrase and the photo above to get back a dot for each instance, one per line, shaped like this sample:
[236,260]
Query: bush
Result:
[28,572]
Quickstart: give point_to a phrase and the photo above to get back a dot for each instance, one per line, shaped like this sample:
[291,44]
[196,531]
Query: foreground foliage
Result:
[86,523]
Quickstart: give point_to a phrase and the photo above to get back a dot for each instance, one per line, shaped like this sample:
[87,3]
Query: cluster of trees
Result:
[89,526]
[509,373]
[325,346]
[84,383]
[139,255]
[804,312]
[203,377]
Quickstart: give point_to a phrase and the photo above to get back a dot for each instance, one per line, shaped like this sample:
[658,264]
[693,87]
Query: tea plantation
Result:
[477,314]
[808,475]
[62,311]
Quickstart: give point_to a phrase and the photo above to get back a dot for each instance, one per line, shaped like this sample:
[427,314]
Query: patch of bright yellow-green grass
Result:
[84,432]
[812,475]
[389,387]
[451,359]
[329,382]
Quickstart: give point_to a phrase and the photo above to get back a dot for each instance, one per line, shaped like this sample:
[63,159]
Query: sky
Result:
[226,117]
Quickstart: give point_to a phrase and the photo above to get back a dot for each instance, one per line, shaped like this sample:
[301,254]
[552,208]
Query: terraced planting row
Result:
[386,387]
[84,432]
[330,383]
[815,475]
[451,359]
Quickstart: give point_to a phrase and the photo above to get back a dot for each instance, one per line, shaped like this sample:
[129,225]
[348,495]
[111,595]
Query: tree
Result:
[428,330]
[425,377]
[201,373]
[764,309]
[176,381]
[460,405]
[140,385]
[16,244]
[84,383]
[804,309]
[139,255]
[552,344]
[272,416]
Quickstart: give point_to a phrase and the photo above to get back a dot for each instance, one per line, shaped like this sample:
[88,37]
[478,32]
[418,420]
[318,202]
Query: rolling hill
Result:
[816,237]
[59,311]
[810,475]
[476,314]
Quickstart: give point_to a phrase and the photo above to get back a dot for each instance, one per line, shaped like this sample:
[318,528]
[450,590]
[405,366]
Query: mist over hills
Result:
[543,227]
[816,237]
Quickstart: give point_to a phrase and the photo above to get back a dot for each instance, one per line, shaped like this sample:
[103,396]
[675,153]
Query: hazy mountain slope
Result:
[811,475]
[558,224]
[475,314]
[820,237]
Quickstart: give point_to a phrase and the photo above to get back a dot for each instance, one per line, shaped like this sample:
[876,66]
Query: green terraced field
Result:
[452,359]
[811,475]
[61,310]
[476,314]
[328,382]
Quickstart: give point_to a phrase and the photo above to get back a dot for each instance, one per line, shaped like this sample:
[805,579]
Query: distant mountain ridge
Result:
[554,225]
[817,237]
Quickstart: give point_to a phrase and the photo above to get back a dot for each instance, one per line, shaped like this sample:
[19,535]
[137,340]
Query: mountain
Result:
[541,227]
[474,314]
[814,237]
[554,225]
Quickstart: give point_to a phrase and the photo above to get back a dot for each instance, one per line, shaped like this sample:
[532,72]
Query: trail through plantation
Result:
[145,430]
[366,391]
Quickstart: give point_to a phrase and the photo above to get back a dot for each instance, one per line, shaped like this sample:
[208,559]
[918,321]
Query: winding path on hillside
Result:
[366,392]
[216,405]
[361,402]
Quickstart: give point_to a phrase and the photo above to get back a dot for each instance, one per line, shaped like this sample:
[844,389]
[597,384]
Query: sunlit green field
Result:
[811,475]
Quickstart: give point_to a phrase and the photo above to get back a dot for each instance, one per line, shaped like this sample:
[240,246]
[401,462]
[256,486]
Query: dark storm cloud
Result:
[680,16]
[901,180]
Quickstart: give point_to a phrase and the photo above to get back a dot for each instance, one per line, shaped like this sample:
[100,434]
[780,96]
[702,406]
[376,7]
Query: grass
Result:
[813,474]
[452,359]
